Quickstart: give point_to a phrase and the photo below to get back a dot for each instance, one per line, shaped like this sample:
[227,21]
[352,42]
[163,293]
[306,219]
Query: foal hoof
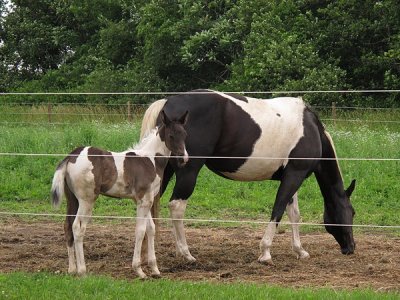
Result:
[81,274]
[156,276]
[141,274]
[303,255]
[187,256]
[190,259]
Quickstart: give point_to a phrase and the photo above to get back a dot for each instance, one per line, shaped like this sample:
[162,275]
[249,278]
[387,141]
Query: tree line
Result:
[228,45]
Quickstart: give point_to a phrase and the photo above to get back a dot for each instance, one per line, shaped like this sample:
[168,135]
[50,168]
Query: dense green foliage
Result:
[252,45]
[48,286]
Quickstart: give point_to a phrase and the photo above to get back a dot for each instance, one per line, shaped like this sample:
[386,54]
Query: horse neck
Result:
[152,145]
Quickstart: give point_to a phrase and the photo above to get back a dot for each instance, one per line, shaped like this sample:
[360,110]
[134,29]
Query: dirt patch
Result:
[223,255]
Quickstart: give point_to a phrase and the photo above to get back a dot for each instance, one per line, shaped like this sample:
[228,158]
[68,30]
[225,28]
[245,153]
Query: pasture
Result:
[227,251]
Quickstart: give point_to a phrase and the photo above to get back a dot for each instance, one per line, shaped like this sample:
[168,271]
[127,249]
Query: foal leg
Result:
[293,212]
[79,228]
[290,183]
[143,211]
[151,253]
[72,208]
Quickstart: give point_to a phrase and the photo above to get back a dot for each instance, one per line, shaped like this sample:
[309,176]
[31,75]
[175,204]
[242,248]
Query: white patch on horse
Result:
[293,213]
[118,189]
[81,169]
[177,209]
[281,123]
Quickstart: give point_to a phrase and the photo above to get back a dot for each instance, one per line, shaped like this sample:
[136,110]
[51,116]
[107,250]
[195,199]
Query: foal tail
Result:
[150,117]
[58,185]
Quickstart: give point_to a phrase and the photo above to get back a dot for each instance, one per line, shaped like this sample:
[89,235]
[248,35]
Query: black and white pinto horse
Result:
[279,139]
[135,173]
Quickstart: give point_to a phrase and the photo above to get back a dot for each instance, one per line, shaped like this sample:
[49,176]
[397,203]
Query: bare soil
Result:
[223,255]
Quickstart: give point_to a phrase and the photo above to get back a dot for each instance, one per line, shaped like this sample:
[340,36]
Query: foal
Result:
[135,173]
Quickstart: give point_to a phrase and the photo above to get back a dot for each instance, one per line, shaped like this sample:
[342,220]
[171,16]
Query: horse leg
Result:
[293,212]
[79,228]
[177,209]
[290,183]
[142,212]
[151,254]
[185,183]
[72,208]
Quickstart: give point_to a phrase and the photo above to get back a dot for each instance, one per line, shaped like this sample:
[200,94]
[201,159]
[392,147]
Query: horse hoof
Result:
[156,276]
[141,274]
[267,262]
[81,274]
[190,259]
[72,271]
[303,255]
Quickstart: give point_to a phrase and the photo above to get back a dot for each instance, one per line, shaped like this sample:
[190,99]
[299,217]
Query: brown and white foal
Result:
[135,173]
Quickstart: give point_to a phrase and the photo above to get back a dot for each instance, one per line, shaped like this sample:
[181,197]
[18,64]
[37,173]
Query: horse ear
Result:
[351,187]
[183,120]
[164,118]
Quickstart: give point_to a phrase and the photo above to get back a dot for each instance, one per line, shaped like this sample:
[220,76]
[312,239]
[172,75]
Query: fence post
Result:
[334,113]
[129,111]
[49,111]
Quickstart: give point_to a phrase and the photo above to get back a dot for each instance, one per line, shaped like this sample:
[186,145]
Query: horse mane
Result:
[328,148]
[150,117]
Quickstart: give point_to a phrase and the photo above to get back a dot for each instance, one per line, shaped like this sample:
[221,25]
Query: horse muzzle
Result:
[348,250]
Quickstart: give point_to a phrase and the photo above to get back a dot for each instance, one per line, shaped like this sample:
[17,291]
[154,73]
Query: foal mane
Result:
[143,142]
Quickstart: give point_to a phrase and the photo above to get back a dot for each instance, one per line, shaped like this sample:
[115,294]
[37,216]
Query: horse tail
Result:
[148,123]
[58,185]
[150,117]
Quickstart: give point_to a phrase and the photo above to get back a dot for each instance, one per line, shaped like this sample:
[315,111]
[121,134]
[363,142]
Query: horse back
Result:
[228,125]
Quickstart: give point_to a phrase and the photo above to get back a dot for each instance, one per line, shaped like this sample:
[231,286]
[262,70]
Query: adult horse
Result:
[279,139]
[135,173]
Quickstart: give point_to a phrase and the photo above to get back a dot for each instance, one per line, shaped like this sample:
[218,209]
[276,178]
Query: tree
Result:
[279,55]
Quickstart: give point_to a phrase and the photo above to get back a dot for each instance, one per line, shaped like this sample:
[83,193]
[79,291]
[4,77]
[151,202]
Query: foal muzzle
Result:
[182,159]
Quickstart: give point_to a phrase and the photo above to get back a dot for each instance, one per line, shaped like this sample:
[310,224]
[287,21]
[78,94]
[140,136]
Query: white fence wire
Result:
[299,92]
[194,220]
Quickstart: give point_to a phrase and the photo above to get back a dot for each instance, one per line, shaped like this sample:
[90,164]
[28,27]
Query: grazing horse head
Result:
[342,214]
[173,133]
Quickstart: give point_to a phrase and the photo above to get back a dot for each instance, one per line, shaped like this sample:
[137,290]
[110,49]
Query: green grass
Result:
[25,180]
[48,286]
[25,184]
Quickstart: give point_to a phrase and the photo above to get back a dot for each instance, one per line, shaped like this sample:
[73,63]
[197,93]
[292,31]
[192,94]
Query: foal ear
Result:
[350,189]
[164,118]
[183,120]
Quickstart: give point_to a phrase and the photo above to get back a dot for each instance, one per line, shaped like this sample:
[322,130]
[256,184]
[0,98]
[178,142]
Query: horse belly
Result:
[281,124]
[255,169]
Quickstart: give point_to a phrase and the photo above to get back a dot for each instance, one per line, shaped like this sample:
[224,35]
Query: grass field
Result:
[25,183]
[25,180]
[48,286]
